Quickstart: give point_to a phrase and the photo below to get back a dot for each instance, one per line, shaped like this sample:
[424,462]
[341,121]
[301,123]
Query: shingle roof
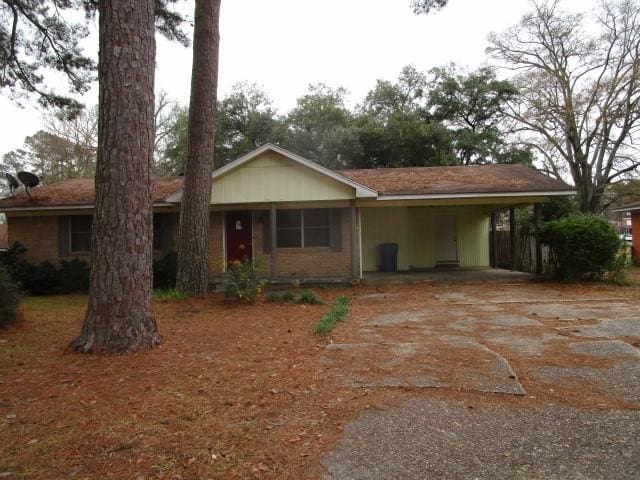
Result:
[4,236]
[484,179]
[71,193]
[456,180]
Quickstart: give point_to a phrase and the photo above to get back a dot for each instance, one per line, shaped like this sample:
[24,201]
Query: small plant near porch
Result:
[241,281]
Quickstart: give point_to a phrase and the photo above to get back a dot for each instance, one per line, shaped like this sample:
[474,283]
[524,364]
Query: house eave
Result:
[66,207]
[453,196]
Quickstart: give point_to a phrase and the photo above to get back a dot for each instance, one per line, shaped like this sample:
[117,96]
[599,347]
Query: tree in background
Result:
[471,106]
[119,316]
[246,120]
[426,6]
[316,127]
[579,103]
[193,244]
[393,127]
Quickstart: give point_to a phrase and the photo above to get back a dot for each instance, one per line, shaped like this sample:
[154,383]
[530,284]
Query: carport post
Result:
[494,241]
[274,241]
[512,238]
[538,214]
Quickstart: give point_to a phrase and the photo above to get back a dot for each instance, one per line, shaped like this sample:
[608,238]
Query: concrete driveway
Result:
[508,380]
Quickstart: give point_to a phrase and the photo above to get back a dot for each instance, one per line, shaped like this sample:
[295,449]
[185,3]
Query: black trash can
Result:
[389,257]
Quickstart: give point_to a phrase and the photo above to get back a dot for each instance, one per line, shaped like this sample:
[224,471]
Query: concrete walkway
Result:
[486,340]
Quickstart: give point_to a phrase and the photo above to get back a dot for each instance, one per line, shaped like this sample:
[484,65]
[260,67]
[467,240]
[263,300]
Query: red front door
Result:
[239,236]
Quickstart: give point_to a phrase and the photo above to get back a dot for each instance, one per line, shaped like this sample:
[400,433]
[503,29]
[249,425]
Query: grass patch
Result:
[309,297]
[280,296]
[166,294]
[334,316]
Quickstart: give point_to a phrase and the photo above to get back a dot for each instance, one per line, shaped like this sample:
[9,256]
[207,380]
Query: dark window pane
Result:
[81,223]
[316,237]
[157,232]
[316,217]
[80,242]
[290,237]
[81,233]
[288,218]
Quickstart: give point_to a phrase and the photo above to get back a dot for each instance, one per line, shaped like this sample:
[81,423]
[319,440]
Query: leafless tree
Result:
[579,103]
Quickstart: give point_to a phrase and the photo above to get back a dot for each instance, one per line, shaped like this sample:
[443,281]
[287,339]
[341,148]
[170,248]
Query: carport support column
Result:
[494,241]
[538,215]
[353,239]
[273,240]
[512,238]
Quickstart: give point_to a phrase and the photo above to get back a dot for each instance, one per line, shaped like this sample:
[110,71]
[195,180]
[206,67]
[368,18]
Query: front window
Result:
[80,234]
[303,228]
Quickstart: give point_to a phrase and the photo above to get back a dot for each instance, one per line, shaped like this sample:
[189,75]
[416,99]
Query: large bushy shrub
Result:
[583,247]
[241,281]
[9,298]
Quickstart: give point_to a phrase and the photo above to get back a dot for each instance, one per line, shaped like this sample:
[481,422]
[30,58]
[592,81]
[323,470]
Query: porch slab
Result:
[449,276]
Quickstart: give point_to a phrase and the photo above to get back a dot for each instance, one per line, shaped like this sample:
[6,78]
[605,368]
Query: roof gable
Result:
[361,190]
[273,177]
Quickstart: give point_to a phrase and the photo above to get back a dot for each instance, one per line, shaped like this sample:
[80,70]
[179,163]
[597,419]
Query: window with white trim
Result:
[303,228]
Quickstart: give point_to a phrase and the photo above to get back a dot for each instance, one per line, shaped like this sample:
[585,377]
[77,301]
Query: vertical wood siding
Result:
[414,230]
[274,178]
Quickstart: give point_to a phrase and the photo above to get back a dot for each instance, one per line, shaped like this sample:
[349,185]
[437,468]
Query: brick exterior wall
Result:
[39,235]
[305,263]
[635,232]
[216,244]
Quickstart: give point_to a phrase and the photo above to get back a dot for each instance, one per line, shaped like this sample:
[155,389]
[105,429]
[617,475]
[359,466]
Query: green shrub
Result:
[280,296]
[309,297]
[165,270]
[334,316]
[165,294]
[74,276]
[241,281]
[583,247]
[9,298]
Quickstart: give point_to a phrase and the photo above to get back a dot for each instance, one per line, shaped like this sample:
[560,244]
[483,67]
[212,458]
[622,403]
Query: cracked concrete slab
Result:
[605,349]
[581,311]
[621,380]
[428,438]
[414,316]
[496,376]
[524,346]
[609,328]
[469,324]
[417,381]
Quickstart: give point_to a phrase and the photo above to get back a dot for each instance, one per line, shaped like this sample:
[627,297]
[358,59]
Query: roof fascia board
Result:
[66,207]
[474,195]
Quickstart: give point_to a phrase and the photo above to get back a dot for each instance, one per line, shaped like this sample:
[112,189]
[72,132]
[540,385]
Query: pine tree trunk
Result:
[119,316]
[193,248]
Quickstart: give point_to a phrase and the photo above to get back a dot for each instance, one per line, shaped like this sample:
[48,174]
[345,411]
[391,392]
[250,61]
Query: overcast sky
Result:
[284,45]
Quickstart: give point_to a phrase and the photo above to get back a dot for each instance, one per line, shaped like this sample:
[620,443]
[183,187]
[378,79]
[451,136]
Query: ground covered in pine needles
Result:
[235,391]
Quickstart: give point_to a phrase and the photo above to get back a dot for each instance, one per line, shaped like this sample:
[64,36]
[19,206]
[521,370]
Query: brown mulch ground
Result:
[235,391]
